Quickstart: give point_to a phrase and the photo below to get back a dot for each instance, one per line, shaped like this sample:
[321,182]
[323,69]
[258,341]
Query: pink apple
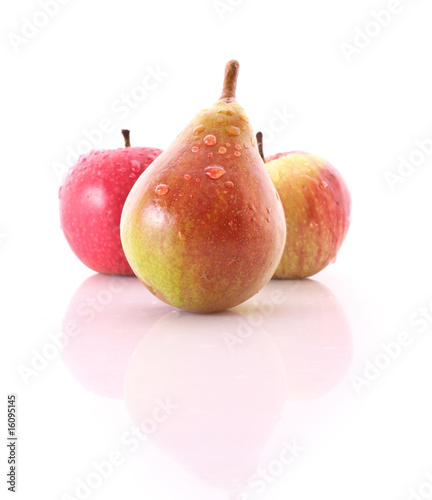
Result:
[317,207]
[92,196]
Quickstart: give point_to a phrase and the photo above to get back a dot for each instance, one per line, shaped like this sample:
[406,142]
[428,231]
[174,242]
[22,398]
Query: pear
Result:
[203,228]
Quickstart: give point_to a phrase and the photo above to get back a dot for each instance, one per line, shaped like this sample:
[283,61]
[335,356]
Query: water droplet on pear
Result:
[162,189]
[209,140]
[197,130]
[233,131]
[214,171]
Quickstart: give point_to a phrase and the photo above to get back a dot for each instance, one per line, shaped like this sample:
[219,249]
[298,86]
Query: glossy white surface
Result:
[313,389]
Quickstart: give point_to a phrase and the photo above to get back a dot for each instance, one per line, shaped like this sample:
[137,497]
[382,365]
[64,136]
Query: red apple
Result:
[317,207]
[92,196]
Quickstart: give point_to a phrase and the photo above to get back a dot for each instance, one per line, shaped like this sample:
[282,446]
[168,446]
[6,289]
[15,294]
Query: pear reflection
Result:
[229,375]
[227,402]
[108,315]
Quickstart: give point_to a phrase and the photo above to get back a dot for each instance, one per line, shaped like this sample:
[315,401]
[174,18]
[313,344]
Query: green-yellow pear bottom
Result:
[317,208]
[203,227]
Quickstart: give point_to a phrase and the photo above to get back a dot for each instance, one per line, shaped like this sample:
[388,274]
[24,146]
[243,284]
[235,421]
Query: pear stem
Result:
[259,138]
[230,81]
[126,135]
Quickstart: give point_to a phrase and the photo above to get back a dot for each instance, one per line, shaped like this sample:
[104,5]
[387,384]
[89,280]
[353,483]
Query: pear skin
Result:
[203,228]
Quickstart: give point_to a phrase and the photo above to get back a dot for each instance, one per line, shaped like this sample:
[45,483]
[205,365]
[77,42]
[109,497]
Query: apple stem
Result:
[230,81]
[259,138]
[126,135]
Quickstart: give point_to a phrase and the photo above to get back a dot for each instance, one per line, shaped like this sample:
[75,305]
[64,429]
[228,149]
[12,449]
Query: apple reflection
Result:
[310,331]
[229,376]
[108,315]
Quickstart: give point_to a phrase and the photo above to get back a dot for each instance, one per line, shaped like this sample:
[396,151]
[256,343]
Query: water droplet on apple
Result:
[246,145]
[222,150]
[214,171]
[252,207]
[244,118]
[229,184]
[162,189]
[210,155]
[187,177]
[323,185]
[197,179]
[135,166]
[230,223]
[181,236]
[313,225]
[253,141]
[237,153]
[123,169]
[195,149]
[238,146]
[228,145]
[268,219]
[233,131]
[132,176]
[209,140]
[219,120]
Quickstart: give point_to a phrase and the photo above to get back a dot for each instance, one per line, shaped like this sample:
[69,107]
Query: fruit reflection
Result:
[228,401]
[229,376]
[310,330]
[109,314]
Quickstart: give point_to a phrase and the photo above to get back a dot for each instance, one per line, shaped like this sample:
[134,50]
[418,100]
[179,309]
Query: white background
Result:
[362,112]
